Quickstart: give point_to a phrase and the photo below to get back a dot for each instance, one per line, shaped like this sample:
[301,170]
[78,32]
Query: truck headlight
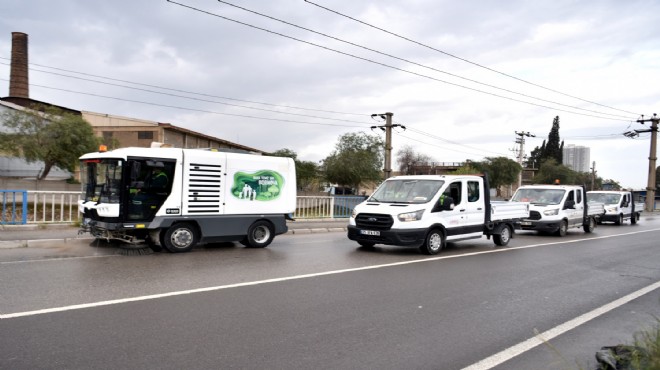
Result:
[551,212]
[410,216]
[610,210]
[354,213]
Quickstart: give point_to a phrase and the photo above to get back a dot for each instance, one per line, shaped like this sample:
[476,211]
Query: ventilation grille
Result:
[204,188]
[374,221]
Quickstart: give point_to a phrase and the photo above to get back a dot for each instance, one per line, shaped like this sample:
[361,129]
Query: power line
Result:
[189,109]
[415,63]
[189,92]
[466,60]
[192,98]
[384,64]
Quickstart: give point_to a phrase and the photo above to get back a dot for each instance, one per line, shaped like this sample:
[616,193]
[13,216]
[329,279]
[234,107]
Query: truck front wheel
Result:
[503,236]
[619,220]
[260,234]
[563,228]
[434,242]
[180,238]
[634,218]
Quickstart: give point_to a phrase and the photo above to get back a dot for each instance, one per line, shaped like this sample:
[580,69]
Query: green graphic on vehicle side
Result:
[264,185]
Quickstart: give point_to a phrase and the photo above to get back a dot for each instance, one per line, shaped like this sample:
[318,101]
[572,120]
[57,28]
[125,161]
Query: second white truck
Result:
[619,206]
[427,211]
[557,208]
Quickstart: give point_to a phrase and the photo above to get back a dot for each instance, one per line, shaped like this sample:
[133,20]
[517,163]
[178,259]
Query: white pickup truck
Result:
[619,206]
[427,211]
[556,208]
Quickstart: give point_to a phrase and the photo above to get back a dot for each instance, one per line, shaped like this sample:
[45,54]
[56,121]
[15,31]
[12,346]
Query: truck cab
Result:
[557,208]
[427,211]
[619,206]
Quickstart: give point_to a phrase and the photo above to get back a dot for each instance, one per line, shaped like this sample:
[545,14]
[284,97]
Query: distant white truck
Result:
[176,198]
[619,206]
[557,208]
[427,211]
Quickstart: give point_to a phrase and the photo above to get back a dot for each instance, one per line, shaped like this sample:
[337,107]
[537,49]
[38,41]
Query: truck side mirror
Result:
[569,204]
[443,204]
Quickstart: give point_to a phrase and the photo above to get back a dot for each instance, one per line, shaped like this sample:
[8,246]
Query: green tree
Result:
[357,158]
[469,168]
[553,147]
[501,171]
[408,159]
[535,156]
[47,134]
[307,172]
[550,171]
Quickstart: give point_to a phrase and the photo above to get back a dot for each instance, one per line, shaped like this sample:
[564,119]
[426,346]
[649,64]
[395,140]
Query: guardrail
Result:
[326,206]
[14,207]
[20,207]
[39,207]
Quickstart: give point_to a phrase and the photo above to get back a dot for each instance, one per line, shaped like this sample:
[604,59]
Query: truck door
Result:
[474,206]
[454,220]
[575,215]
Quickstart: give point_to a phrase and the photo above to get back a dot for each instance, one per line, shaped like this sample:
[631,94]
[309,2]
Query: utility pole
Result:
[388,140]
[521,140]
[593,175]
[650,187]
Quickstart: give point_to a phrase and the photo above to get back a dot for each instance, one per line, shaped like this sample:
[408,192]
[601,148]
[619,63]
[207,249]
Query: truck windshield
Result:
[603,198]
[539,196]
[406,191]
[101,179]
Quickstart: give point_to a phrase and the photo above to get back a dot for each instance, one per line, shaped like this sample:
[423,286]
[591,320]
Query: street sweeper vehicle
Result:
[176,198]
[426,211]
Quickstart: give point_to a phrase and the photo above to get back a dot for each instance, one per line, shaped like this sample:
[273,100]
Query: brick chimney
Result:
[19,86]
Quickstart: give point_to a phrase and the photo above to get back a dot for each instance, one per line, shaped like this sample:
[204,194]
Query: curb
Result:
[36,243]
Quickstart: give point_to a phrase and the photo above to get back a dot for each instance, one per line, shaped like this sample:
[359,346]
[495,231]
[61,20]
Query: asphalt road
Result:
[317,301]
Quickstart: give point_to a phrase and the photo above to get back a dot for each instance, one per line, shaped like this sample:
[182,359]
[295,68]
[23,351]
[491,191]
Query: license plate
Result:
[370,232]
[525,223]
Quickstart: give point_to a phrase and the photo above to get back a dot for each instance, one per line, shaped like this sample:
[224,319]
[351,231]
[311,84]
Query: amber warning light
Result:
[103,148]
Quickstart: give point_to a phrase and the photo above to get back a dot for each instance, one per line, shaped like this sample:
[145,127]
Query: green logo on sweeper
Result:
[262,185]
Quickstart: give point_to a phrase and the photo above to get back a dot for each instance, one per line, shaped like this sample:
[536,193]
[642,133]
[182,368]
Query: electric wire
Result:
[384,64]
[192,93]
[192,98]
[417,64]
[466,60]
[189,109]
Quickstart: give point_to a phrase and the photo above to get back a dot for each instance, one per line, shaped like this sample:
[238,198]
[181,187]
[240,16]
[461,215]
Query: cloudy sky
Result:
[462,77]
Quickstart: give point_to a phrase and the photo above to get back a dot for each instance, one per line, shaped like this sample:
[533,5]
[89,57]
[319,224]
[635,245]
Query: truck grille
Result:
[374,221]
[534,215]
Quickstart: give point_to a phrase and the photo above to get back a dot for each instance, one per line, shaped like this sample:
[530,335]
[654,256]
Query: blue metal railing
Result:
[344,205]
[14,211]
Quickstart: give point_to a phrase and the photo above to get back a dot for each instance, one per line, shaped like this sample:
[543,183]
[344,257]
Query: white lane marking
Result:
[287,278]
[511,352]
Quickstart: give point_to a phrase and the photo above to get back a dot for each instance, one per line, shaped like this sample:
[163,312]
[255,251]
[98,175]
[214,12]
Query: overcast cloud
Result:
[606,52]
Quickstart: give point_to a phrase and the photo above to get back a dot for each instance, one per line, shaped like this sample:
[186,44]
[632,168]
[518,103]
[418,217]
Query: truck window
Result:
[579,196]
[571,195]
[473,191]
[454,190]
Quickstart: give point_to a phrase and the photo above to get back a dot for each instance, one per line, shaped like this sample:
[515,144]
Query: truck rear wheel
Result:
[634,218]
[260,234]
[590,225]
[180,237]
[502,236]
[435,241]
